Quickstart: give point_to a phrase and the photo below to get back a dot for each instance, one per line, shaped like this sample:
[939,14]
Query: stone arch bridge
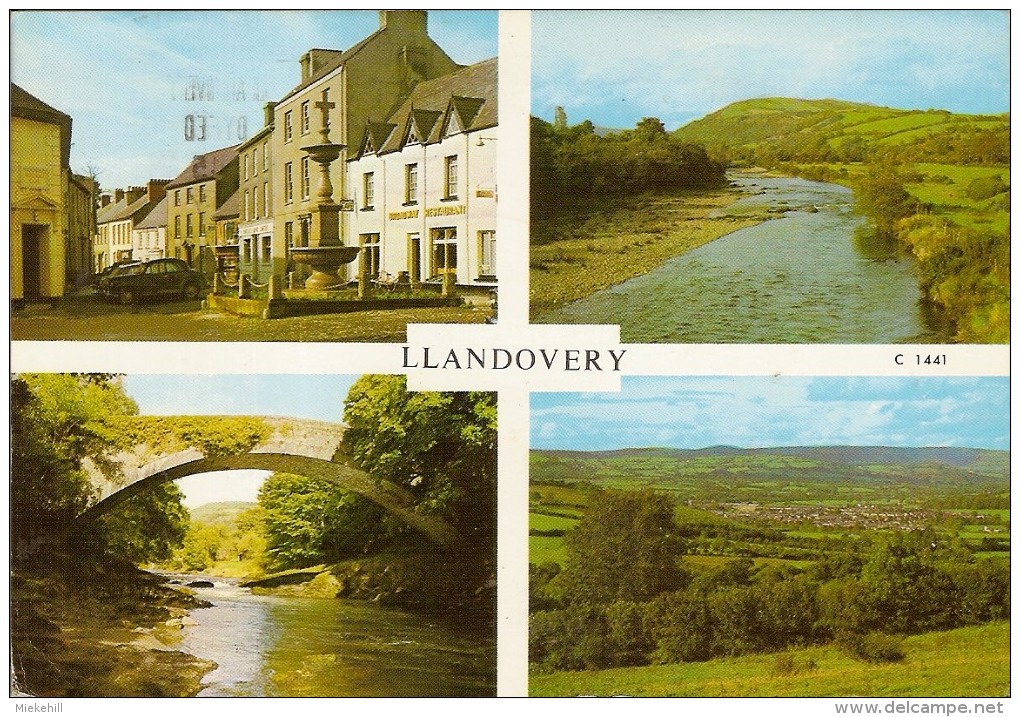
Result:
[285,445]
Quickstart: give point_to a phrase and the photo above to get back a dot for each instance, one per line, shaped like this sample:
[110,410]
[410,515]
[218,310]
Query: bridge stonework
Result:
[299,446]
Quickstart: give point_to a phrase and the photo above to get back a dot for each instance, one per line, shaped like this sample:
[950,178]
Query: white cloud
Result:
[681,61]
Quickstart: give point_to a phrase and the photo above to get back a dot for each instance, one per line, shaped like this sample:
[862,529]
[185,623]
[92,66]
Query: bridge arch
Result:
[294,446]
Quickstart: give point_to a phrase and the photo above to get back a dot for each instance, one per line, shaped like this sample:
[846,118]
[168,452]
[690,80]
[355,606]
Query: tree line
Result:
[626,597]
[575,162]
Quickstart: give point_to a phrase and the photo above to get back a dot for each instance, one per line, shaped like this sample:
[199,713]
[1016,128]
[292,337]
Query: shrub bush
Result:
[874,647]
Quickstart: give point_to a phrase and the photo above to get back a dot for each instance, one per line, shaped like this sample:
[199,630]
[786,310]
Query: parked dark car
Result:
[148,279]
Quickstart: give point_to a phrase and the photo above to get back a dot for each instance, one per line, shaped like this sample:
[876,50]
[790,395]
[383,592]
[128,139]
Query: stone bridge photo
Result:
[158,449]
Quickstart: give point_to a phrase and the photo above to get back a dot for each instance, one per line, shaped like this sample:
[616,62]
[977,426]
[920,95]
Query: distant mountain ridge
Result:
[845,455]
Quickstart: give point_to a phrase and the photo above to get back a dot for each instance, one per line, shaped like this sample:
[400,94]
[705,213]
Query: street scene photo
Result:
[173,180]
[771,537]
[772,176]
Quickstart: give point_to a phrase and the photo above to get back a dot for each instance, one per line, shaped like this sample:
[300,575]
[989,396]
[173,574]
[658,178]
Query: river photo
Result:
[300,567]
[812,274]
[273,646]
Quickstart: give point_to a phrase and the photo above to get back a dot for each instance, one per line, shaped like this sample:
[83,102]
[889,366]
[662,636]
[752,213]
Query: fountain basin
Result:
[325,261]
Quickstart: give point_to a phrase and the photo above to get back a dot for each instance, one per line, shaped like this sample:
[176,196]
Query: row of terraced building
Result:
[416,182]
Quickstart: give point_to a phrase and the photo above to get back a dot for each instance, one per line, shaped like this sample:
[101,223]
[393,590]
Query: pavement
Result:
[88,318]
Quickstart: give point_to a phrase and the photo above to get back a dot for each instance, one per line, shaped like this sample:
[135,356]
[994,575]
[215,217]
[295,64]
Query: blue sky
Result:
[316,397]
[758,412]
[122,75]
[617,67]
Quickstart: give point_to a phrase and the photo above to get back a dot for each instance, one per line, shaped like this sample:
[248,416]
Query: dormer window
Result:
[453,126]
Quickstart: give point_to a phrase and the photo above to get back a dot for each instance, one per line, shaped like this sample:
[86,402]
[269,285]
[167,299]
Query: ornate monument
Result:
[325,253]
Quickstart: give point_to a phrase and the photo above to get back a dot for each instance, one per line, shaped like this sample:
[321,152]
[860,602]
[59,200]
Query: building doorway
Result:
[34,238]
[414,267]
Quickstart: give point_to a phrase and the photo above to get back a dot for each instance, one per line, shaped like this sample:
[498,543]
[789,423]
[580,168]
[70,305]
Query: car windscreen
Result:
[129,270]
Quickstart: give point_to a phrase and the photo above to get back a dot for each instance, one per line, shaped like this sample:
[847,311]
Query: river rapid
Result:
[292,646]
[813,274]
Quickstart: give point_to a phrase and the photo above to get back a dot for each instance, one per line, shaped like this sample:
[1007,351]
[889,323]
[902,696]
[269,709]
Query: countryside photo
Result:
[765,537]
[251,536]
[772,176]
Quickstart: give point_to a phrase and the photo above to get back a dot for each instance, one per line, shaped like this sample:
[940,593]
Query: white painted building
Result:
[148,238]
[424,183]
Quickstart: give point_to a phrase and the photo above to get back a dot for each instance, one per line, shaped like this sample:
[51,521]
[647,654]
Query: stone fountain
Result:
[327,253]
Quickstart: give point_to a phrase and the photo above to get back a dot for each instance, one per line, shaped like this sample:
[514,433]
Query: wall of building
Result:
[149,243]
[365,88]
[255,225]
[38,220]
[467,213]
[81,230]
[199,212]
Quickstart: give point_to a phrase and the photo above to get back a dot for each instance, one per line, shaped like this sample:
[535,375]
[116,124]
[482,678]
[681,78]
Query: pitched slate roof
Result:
[156,216]
[204,166]
[376,135]
[266,129]
[230,208]
[120,211]
[469,93]
[28,106]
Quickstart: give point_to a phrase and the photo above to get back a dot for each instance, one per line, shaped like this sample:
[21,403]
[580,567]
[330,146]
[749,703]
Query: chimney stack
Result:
[134,194]
[156,189]
[306,66]
[104,199]
[410,21]
[267,113]
[118,194]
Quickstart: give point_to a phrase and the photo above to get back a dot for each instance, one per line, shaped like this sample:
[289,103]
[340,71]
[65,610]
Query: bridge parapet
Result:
[299,446]
[314,439]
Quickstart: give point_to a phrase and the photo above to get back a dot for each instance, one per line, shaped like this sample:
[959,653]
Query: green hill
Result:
[221,513]
[780,129]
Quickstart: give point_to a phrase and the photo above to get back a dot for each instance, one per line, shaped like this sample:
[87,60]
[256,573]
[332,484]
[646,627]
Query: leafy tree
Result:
[623,548]
[560,119]
[575,162]
[439,446]
[906,589]
[309,520]
[649,129]
[681,626]
[58,421]
[147,527]
[880,195]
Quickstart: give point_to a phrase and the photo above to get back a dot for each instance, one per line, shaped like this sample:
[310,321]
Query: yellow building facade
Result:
[194,196]
[40,157]
[358,85]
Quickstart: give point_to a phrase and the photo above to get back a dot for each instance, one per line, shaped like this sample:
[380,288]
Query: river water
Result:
[813,274]
[291,646]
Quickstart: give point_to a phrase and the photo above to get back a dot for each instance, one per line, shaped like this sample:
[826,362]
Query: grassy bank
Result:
[593,245]
[107,631]
[972,661]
